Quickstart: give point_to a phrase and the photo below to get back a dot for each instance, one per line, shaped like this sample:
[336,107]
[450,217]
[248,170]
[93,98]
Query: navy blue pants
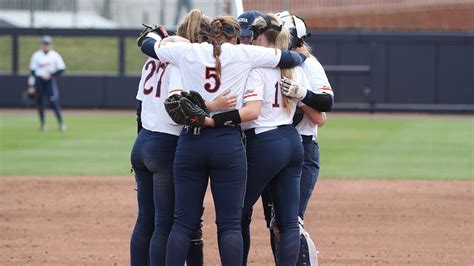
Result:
[217,153]
[275,159]
[152,160]
[309,177]
[310,173]
[49,89]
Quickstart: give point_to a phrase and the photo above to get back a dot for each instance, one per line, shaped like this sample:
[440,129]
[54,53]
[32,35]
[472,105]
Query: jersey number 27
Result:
[154,69]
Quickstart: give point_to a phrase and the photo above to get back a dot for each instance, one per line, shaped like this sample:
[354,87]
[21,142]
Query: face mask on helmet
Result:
[257,31]
[296,26]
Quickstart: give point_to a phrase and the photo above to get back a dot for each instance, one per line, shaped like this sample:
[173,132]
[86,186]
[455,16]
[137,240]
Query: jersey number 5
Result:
[154,70]
[211,73]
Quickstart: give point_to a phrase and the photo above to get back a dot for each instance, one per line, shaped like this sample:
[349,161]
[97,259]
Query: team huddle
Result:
[237,102]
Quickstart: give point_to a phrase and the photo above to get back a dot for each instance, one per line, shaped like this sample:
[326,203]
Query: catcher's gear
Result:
[174,110]
[196,98]
[292,89]
[150,31]
[308,255]
[194,114]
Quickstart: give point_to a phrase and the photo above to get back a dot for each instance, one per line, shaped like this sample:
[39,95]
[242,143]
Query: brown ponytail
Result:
[280,39]
[192,24]
[223,28]
[216,40]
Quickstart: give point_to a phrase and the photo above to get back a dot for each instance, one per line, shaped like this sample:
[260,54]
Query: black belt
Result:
[307,138]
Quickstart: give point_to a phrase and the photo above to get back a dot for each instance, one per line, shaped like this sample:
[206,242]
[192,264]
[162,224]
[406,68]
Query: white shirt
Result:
[197,65]
[263,85]
[319,83]
[46,63]
[156,81]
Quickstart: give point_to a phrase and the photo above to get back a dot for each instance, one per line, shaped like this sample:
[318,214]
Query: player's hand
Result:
[31,92]
[223,102]
[323,119]
[291,89]
[303,50]
[46,77]
[156,32]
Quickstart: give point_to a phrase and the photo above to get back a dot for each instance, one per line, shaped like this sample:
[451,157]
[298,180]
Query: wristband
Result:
[230,118]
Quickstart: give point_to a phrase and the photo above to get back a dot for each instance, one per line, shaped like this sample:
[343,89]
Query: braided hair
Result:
[223,28]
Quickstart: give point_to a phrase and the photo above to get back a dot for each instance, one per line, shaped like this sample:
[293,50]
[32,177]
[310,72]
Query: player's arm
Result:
[322,102]
[269,57]
[249,112]
[318,118]
[299,89]
[32,79]
[33,66]
[253,97]
[222,102]
[290,59]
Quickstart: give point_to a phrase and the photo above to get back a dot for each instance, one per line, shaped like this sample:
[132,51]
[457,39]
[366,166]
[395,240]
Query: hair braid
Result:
[216,40]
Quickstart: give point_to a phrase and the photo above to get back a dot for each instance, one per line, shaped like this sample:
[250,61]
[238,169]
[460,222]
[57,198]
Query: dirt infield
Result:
[88,220]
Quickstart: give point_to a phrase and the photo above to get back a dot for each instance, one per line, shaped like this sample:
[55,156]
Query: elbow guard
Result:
[289,59]
[321,102]
[230,118]
[148,47]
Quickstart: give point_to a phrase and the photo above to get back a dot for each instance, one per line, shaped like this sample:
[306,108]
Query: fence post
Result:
[32,14]
[121,55]
[14,54]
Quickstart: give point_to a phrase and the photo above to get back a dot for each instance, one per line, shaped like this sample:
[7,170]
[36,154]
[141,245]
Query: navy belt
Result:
[251,132]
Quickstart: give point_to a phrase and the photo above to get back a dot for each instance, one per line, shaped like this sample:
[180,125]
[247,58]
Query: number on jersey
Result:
[154,69]
[211,73]
[277,92]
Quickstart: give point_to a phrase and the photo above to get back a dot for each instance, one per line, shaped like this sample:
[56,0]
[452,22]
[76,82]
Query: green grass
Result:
[81,54]
[436,147]
[93,145]
[404,148]
[5,53]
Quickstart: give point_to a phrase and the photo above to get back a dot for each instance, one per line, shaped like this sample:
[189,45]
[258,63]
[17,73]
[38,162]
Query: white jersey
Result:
[197,65]
[263,84]
[46,63]
[319,83]
[156,82]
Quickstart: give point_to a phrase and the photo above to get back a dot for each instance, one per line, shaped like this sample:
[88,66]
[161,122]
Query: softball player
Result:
[245,20]
[45,65]
[217,152]
[152,157]
[273,135]
[313,103]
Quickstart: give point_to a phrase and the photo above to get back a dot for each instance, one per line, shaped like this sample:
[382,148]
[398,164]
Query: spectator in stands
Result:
[46,65]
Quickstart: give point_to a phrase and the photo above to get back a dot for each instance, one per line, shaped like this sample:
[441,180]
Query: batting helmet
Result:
[296,26]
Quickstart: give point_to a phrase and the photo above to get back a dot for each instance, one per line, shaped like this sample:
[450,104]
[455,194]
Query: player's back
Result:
[198,67]
[152,91]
